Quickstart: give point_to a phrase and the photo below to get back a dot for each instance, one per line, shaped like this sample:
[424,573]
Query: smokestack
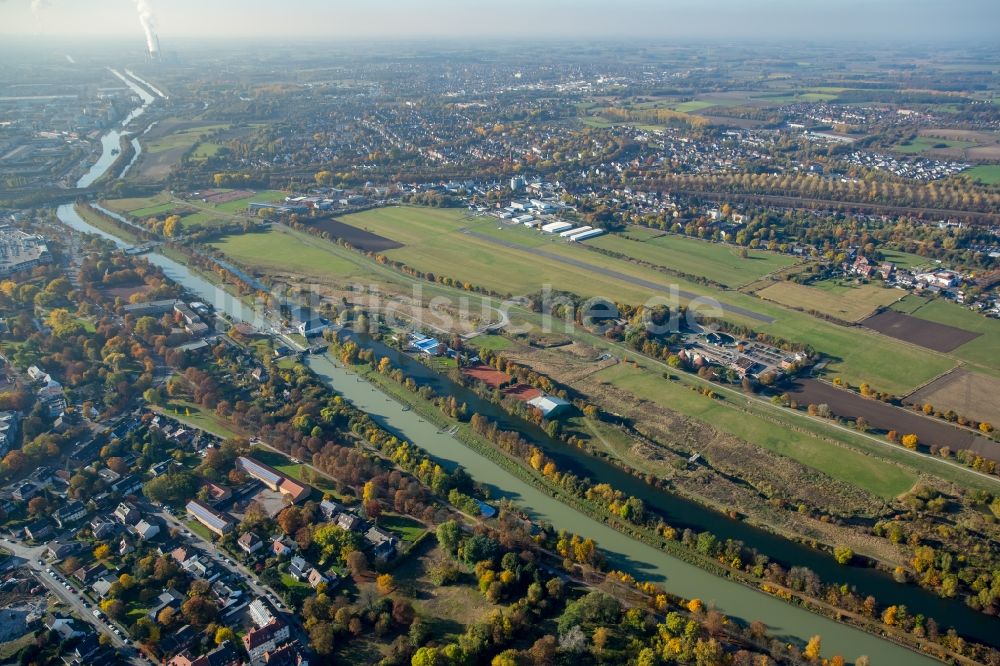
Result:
[147,22]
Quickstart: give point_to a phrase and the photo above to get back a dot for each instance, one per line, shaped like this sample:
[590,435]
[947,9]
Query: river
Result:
[111,141]
[786,622]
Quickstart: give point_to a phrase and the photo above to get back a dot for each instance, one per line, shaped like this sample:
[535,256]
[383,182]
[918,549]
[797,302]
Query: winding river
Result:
[111,141]
[786,622]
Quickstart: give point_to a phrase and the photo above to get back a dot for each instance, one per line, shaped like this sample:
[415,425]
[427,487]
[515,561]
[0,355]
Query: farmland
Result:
[929,334]
[885,417]
[434,243]
[983,349]
[970,394]
[846,302]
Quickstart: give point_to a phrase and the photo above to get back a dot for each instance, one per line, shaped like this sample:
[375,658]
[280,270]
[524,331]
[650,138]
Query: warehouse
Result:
[573,232]
[556,227]
[584,235]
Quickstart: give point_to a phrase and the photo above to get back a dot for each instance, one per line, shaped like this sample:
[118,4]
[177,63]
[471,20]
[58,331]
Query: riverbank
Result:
[464,433]
[643,561]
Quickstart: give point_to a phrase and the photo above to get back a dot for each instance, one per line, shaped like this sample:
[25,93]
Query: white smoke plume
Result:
[37,6]
[148,24]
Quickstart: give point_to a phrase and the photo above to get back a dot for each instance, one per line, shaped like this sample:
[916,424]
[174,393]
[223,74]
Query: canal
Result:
[786,622]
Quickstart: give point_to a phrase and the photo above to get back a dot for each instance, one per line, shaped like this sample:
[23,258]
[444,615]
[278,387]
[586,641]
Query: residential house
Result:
[88,574]
[250,543]
[315,578]
[283,547]
[261,612]
[58,550]
[383,542]
[38,530]
[181,554]
[173,642]
[329,508]
[146,530]
[25,491]
[64,626]
[286,655]
[298,568]
[10,423]
[85,650]
[349,522]
[127,514]
[169,599]
[257,641]
[102,527]
[224,655]
[130,484]
[69,513]
[102,585]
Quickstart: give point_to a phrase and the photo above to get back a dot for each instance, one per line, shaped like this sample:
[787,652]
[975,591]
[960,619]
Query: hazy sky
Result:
[678,19]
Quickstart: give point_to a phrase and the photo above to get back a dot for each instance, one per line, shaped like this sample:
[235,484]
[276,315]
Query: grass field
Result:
[838,299]
[193,213]
[289,251]
[922,144]
[206,150]
[491,342]
[881,478]
[407,528]
[988,174]
[906,259]
[182,138]
[984,350]
[693,106]
[408,225]
[191,414]
[715,261]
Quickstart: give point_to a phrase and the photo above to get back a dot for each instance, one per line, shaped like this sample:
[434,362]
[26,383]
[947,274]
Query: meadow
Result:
[837,299]
[877,476]
[714,261]
[287,251]
[193,212]
[435,244]
[922,144]
[987,174]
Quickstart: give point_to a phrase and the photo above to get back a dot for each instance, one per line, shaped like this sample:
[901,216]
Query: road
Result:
[31,556]
[213,552]
[654,287]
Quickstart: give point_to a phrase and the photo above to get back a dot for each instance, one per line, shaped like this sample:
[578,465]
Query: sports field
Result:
[714,261]
[840,300]
[876,476]
[435,243]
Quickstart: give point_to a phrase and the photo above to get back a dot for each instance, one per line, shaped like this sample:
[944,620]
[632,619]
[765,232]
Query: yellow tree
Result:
[385,584]
[910,441]
[813,648]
